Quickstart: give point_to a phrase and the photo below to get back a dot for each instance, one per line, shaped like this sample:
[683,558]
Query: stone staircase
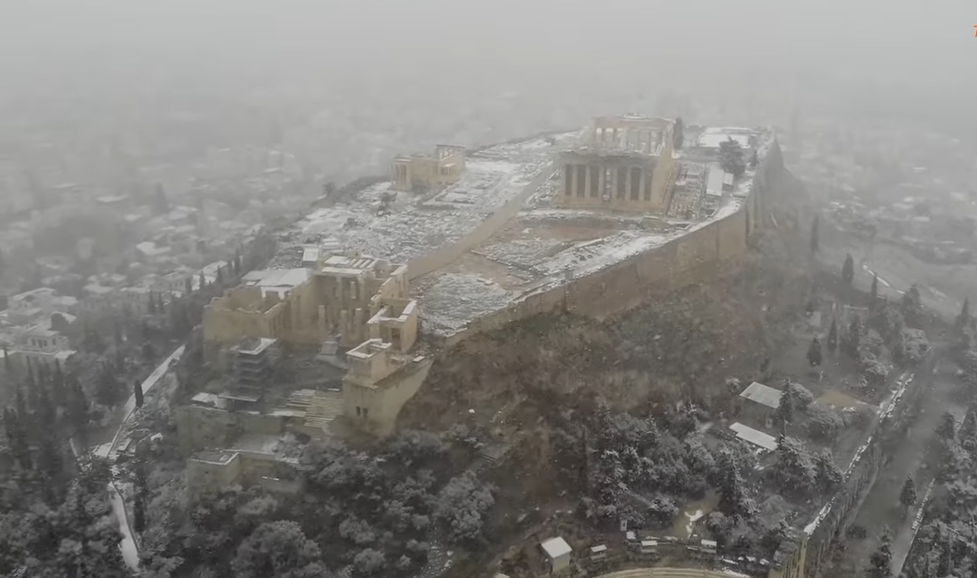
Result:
[320,407]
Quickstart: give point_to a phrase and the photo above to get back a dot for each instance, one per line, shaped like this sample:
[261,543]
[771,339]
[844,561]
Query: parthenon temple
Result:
[621,163]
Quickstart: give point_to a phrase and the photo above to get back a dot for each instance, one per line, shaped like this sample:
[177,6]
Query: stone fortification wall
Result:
[701,255]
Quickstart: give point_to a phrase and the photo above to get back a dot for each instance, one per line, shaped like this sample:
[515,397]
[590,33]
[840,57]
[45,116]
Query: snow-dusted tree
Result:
[794,470]
[946,430]
[848,269]
[913,346]
[462,507]
[833,336]
[787,405]
[814,353]
[911,306]
[968,431]
[907,497]
[277,549]
[731,157]
[963,319]
[824,423]
[880,563]
[827,475]
[853,338]
[369,562]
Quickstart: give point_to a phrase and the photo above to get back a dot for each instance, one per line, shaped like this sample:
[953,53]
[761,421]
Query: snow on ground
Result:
[417,225]
[591,256]
[130,552]
[451,300]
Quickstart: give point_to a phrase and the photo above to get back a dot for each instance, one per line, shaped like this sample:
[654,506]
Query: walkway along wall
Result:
[699,256]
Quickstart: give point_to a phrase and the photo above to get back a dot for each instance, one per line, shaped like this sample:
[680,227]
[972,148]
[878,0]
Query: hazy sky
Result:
[907,44]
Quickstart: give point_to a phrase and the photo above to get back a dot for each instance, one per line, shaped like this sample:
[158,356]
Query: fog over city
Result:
[507,289]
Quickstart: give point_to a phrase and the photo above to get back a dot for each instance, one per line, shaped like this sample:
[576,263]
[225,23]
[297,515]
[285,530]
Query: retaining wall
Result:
[701,255]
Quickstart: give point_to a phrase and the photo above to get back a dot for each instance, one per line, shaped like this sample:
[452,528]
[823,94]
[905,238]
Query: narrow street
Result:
[881,508]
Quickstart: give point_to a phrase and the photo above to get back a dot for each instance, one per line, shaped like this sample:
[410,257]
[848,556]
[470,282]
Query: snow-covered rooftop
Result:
[762,394]
[556,547]
[754,436]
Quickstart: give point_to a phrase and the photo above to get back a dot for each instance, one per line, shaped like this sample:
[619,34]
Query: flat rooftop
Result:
[762,394]
[279,281]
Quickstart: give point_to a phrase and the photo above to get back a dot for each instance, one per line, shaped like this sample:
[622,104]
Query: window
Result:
[594,181]
[581,180]
[568,180]
[648,178]
[365,412]
[359,411]
[622,181]
[635,183]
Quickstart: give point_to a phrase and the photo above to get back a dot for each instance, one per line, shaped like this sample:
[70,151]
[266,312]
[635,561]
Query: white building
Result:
[558,554]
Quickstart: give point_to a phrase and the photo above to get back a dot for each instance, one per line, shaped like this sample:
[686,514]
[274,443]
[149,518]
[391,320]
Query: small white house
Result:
[558,552]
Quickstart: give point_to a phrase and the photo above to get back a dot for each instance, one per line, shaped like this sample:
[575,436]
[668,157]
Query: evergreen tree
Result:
[106,387]
[203,282]
[137,392]
[880,563]
[946,430]
[814,353]
[17,438]
[853,339]
[848,270]
[963,319]
[907,497]
[833,336]
[968,432]
[911,305]
[731,157]
[875,287]
[188,286]
[141,487]
[220,276]
[787,405]
[77,409]
[149,353]
[815,234]
[152,304]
